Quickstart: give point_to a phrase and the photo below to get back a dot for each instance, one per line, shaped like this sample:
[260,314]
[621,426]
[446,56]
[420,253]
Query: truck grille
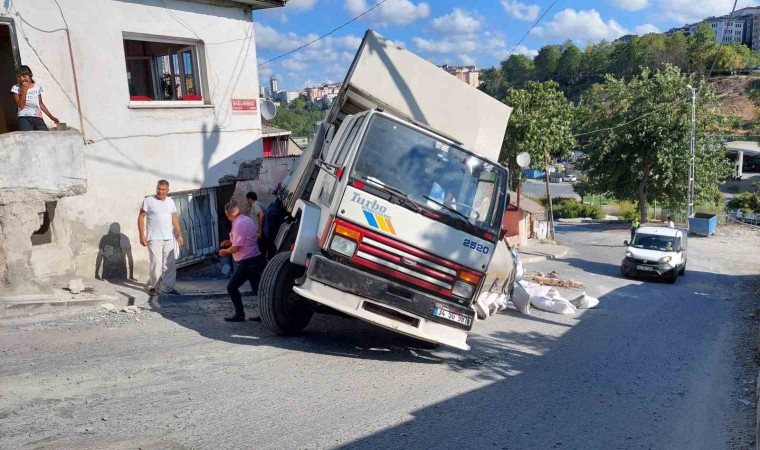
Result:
[406,263]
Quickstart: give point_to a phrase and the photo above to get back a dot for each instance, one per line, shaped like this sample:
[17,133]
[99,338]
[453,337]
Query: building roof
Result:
[267,131]
[255,4]
[526,204]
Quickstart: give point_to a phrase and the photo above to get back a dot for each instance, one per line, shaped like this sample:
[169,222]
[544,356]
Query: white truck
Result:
[396,207]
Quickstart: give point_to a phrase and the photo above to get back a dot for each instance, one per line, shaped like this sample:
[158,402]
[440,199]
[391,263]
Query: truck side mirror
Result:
[626,243]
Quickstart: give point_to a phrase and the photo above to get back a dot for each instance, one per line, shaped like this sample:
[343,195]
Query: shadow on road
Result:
[623,375]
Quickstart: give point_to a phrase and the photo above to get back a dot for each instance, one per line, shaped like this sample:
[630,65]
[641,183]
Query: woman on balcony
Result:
[28,97]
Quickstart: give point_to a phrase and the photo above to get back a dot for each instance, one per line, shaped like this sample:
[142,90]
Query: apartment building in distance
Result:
[468,74]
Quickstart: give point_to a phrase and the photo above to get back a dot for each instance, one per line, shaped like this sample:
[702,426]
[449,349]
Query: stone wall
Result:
[36,170]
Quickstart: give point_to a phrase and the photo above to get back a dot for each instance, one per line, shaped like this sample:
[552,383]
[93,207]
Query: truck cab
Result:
[392,220]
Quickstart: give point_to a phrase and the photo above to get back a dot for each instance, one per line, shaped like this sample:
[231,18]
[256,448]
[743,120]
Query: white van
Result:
[656,251]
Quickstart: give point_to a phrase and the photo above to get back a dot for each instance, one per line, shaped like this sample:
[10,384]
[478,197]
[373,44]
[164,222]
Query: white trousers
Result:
[162,267]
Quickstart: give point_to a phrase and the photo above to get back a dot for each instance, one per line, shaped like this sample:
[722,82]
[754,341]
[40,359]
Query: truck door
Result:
[327,183]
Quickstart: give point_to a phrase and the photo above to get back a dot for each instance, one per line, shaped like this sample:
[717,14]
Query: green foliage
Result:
[540,123]
[575,70]
[648,158]
[299,116]
[569,208]
[746,202]
[517,68]
[753,92]
[628,211]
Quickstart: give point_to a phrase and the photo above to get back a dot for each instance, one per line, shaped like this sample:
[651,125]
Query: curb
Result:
[582,221]
[538,258]
[26,305]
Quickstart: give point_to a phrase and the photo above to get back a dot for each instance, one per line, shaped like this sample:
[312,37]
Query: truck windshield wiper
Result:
[449,208]
[398,193]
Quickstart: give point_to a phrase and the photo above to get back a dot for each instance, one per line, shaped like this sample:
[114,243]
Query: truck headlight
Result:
[629,254]
[463,289]
[665,259]
[343,246]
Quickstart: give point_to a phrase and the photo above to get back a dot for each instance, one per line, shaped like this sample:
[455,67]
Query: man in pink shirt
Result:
[249,262]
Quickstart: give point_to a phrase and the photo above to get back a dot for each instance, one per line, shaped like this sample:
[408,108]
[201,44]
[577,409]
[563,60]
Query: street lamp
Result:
[693,149]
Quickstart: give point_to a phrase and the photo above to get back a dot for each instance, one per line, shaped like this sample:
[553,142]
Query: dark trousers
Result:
[633,233]
[248,269]
[31,124]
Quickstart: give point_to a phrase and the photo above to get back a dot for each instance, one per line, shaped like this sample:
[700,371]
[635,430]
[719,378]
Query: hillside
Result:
[734,94]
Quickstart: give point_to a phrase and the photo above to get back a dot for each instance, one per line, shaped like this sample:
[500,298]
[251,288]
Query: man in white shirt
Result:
[162,224]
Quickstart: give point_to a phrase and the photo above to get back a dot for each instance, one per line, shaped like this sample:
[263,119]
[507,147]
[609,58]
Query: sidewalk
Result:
[119,294]
[123,293]
[536,252]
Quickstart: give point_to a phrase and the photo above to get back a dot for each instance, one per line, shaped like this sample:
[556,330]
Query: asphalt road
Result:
[537,189]
[654,366]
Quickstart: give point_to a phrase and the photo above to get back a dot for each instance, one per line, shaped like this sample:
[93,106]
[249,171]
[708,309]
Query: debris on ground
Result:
[107,307]
[76,285]
[552,281]
[548,299]
[131,309]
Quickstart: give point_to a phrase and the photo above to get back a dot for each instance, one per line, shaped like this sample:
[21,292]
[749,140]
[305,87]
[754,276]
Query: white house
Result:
[155,89]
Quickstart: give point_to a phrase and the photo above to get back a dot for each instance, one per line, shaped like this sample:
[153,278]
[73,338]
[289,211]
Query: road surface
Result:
[655,366]
[537,189]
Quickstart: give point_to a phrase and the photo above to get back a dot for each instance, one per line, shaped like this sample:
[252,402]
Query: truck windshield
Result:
[433,174]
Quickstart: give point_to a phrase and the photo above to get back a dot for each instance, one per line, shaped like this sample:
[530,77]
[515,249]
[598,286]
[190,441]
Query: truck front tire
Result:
[282,310]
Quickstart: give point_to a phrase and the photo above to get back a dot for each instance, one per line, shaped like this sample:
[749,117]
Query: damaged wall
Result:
[37,170]
[261,177]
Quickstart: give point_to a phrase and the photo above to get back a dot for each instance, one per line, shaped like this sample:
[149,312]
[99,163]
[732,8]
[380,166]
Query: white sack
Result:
[584,301]
[521,299]
[556,305]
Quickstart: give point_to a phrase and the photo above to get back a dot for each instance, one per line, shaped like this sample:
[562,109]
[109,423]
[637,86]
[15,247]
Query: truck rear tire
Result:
[282,310]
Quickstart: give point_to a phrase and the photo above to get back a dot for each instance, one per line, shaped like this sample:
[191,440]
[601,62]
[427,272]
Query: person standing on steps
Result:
[28,97]
[249,261]
[160,215]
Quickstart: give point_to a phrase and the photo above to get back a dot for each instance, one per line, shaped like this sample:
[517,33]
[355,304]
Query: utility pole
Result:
[693,149]
[548,194]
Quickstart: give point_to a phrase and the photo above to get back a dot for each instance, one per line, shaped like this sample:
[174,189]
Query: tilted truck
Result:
[396,206]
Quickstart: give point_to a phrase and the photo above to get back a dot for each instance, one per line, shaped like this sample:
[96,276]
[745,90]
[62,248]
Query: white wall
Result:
[130,149]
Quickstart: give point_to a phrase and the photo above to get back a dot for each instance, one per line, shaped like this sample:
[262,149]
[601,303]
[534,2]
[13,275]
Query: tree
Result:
[517,69]
[493,83]
[546,62]
[541,122]
[643,150]
[702,48]
[569,66]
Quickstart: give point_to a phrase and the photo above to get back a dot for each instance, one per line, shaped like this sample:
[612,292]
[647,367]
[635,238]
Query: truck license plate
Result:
[645,268]
[454,317]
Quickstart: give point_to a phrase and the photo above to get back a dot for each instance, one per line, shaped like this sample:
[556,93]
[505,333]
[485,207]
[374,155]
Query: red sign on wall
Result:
[244,105]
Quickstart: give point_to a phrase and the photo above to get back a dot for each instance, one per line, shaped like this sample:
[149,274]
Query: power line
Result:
[636,119]
[722,39]
[323,36]
[530,29]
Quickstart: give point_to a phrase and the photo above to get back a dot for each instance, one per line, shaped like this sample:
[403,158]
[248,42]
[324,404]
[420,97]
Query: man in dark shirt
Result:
[273,219]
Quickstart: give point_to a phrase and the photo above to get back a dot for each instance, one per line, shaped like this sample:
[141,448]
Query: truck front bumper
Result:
[382,302]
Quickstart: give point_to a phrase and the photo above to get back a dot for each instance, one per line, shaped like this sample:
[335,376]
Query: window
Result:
[163,70]
[196,211]
[715,25]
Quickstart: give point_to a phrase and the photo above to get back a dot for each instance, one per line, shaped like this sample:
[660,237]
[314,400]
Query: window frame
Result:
[198,51]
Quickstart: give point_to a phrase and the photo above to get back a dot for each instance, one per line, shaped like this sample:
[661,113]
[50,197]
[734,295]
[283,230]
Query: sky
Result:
[473,32]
